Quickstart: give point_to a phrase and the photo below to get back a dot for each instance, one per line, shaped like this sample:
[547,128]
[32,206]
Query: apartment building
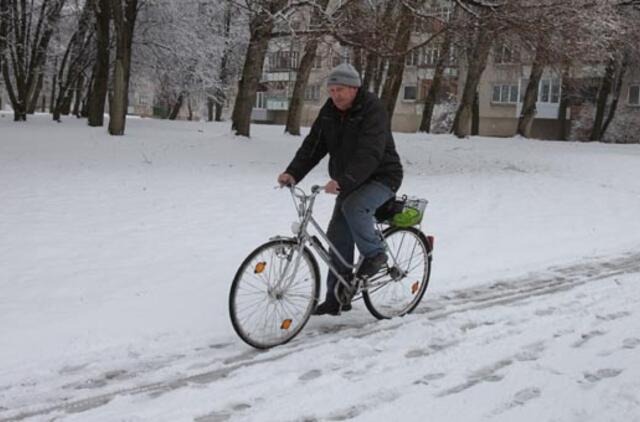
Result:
[500,92]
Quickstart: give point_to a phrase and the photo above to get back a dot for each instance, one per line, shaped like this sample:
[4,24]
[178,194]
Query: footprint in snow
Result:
[310,375]
[520,398]
[630,343]
[584,338]
[614,316]
[601,374]
[224,415]
[430,377]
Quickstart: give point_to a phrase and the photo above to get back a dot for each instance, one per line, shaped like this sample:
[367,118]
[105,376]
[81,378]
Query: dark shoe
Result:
[327,308]
[331,308]
[371,265]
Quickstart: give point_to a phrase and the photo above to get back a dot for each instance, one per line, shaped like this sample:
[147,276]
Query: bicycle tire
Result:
[372,296]
[268,258]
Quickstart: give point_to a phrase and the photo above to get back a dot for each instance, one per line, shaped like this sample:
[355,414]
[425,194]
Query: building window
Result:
[413,58]
[505,94]
[549,91]
[431,54]
[634,95]
[282,60]
[312,93]
[294,59]
[410,93]
[261,100]
[504,54]
[317,62]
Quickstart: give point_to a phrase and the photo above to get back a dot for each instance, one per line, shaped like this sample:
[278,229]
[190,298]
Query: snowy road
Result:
[547,343]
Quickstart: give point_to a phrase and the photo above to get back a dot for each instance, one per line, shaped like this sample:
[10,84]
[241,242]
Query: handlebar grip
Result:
[316,188]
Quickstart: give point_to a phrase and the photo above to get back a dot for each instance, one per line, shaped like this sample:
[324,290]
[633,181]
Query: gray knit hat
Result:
[344,74]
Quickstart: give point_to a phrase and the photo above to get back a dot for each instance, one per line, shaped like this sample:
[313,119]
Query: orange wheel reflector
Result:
[286,324]
[415,287]
[260,266]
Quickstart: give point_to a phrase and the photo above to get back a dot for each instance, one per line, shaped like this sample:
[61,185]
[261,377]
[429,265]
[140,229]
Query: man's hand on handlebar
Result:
[285,179]
[332,187]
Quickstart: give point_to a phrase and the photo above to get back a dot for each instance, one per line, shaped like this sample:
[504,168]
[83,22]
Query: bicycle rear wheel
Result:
[400,290]
[273,293]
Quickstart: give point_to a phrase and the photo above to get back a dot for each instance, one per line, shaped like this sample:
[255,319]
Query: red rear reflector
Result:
[432,241]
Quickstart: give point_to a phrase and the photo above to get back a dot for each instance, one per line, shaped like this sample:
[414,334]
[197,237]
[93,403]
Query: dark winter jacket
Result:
[359,143]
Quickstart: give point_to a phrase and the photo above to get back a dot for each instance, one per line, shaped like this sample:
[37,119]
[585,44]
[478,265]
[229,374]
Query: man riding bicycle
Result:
[365,170]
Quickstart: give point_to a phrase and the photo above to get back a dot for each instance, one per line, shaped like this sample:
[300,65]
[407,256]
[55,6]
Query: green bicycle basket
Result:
[412,213]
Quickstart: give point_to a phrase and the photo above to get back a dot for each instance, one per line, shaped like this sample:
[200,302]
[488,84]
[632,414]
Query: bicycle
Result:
[276,287]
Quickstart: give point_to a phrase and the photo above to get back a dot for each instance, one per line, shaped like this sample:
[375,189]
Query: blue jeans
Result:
[353,223]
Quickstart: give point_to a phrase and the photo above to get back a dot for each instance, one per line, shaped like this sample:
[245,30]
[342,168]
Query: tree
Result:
[100,78]
[395,72]
[75,61]
[261,23]
[31,28]
[294,114]
[124,13]
[479,41]
[187,53]
[4,29]
[621,47]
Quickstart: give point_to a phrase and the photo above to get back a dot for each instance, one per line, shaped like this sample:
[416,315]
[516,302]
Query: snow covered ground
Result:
[116,256]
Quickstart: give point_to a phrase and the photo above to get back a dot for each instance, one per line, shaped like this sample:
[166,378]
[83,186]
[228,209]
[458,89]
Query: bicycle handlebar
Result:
[300,193]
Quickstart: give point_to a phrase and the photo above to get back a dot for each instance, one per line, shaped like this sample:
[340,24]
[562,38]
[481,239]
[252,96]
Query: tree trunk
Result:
[528,113]
[476,63]
[606,87]
[261,26]
[124,18]
[78,96]
[617,90]
[33,102]
[98,91]
[175,110]
[210,107]
[564,106]
[434,91]
[220,93]
[379,75]
[370,68]
[475,118]
[218,116]
[393,82]
[294,114]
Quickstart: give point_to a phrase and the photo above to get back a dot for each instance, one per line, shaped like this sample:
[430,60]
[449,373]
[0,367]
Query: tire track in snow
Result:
[555,279]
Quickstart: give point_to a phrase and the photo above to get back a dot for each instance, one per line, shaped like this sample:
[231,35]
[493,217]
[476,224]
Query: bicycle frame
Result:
[304,207]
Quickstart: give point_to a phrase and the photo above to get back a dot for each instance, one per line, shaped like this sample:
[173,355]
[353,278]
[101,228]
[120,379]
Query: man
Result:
[365,170]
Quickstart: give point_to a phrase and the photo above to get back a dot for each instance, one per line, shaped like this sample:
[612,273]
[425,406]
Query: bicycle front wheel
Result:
[274,293]
[401,288]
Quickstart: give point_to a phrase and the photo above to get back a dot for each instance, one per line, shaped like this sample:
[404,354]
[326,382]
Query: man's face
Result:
[342,96]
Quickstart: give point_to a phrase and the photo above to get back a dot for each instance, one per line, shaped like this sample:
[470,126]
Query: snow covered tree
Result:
[74,61]
[29,28]
[189,52]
